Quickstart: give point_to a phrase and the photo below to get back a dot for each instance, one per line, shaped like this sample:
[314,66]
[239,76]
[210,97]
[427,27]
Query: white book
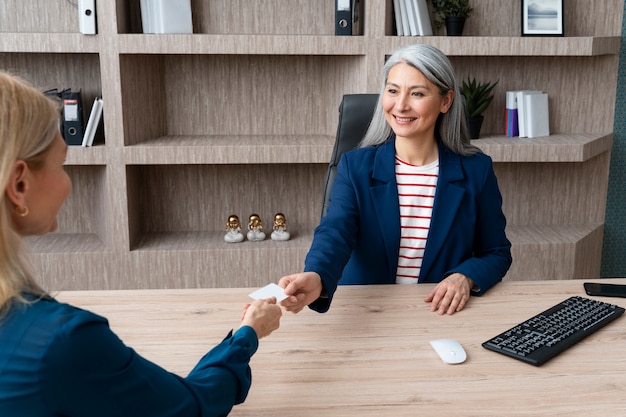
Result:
[405,18]
[424,26]
[166,16]
[521,111]
[538,115]
[411,14]
[398,16]
[93,122]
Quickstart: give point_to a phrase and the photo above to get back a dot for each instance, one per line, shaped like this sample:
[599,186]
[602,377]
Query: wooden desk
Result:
[370,354]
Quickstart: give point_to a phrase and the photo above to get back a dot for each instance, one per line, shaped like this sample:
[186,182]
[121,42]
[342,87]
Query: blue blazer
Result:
[59,360]
[358,241]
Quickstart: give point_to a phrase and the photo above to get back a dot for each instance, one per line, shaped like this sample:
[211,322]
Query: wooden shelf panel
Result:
[59,243]
[514,46]
[561,251]
[252,149]
[49,43]
[92,155]
[242,44]
[554,148]
[305,149]
[358,45]
[243,266]
[549,234]
[214,240]
[555,251]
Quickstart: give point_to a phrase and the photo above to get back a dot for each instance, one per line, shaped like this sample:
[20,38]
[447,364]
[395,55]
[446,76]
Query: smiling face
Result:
[412,103]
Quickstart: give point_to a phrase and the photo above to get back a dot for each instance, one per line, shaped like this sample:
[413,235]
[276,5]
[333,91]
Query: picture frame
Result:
[542,18]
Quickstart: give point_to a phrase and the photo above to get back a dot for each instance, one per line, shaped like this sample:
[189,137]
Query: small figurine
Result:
[255,229]
[233,230]
[280,228]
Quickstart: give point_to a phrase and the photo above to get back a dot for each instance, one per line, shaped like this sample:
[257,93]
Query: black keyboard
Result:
[547,334]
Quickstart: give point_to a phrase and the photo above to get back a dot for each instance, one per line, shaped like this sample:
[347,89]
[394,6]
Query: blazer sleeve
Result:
[491,257]
[88,371]
[335,236]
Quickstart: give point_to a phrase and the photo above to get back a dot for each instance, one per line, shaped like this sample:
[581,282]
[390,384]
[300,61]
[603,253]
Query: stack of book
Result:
[412,18]
[93,122]
[527,114]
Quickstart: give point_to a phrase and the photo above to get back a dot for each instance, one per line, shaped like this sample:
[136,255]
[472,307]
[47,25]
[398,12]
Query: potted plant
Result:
[452,13]
[478,97]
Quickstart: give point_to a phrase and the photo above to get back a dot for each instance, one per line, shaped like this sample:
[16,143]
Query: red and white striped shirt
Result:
[416,193]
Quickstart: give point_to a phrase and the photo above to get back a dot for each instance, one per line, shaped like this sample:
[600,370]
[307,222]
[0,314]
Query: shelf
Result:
[514,46]
[242,44]
[178,200]
[241,117]
[304,149]
[214,240]
[358,45]
[66,243]
[554,251]
[253,149]
[554,148]
[92,155]
[235,96]
[49,43]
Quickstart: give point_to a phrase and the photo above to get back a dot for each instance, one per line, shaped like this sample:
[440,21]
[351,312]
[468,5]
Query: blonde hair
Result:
[29,122]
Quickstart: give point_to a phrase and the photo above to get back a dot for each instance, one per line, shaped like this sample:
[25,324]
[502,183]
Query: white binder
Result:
[166,16]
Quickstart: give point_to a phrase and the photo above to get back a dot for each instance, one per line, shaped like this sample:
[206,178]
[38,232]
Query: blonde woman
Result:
[56,359]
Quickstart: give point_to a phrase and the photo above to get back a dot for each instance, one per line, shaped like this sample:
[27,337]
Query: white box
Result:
[87,17]
[166,16]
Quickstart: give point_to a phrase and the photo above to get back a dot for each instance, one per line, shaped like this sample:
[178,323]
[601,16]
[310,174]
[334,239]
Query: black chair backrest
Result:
[355,115]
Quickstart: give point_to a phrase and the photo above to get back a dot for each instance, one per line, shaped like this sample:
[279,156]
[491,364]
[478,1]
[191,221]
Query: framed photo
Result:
[542,17]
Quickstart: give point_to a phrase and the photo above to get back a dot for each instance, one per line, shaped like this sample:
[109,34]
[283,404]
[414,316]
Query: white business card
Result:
[269,291]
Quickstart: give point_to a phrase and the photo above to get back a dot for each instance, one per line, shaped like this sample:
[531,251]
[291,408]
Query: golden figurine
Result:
[233,230]
[280,232]
[255,228]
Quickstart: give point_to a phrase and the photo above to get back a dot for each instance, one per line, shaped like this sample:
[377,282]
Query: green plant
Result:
[477,96]
[453,8]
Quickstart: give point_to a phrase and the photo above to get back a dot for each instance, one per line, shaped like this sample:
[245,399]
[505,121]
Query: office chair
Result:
[355,114]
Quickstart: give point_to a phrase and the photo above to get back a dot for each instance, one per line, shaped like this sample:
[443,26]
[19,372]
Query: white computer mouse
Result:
[449,350]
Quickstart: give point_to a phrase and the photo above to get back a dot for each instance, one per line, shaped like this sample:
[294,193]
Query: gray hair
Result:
[451,128]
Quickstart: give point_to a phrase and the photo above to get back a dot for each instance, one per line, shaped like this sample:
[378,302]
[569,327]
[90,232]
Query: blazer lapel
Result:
[448,199]
[384,193]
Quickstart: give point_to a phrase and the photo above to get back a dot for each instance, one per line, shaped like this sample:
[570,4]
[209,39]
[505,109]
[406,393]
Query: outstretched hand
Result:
[302,289]
[263,316]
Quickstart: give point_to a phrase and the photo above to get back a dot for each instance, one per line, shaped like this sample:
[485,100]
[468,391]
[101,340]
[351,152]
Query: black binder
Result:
[348,17]
[72,117]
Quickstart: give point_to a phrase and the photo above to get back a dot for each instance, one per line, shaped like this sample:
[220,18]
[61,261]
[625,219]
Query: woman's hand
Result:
[451,294]
[263,316]
[302,289]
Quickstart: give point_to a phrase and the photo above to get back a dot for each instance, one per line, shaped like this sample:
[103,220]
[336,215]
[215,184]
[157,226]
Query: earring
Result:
[22,211]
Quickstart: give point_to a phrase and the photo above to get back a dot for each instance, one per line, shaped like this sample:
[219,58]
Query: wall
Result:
[614,249]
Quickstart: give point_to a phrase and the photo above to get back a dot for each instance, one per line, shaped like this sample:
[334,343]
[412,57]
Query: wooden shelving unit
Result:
[240,117]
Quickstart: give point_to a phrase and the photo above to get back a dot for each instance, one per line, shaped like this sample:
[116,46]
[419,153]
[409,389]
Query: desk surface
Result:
[370,354]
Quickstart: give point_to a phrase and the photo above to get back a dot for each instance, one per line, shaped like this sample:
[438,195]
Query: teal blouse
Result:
[59,360]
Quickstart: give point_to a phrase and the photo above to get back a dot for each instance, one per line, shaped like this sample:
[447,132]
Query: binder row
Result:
[348,17]
[73,130]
